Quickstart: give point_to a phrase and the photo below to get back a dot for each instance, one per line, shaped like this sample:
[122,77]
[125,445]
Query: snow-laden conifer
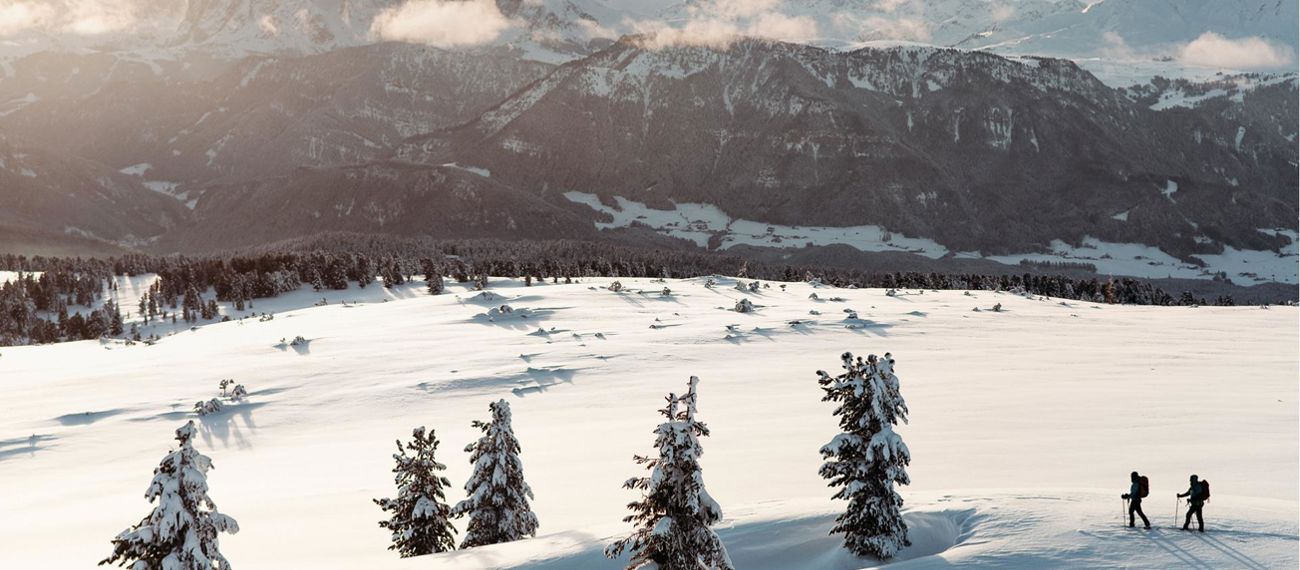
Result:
[419,515]
[497,502]
[868,458]
[181,532]
[675,511]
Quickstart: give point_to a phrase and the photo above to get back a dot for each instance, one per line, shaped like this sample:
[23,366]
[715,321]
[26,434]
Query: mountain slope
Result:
[44,193]
[259,117]
[969,149]
[446,201]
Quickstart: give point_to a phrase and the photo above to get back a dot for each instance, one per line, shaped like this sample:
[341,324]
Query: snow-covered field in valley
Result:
[701,223]
[1025,423]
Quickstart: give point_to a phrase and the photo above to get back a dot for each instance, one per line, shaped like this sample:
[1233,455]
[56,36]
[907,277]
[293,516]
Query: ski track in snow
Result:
[1024,423]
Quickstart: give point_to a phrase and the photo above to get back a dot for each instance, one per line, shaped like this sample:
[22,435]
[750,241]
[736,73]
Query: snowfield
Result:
[701,222]
[1025,423]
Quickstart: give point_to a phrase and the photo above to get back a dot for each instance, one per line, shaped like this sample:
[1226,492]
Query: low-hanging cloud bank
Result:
[719,22]
[1214,50]
[78,17]
[441,23]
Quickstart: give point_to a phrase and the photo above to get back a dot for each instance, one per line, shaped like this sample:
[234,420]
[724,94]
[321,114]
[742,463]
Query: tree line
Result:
[59,304]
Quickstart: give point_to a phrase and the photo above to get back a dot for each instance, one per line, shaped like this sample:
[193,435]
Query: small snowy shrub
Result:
[744,306]
[616,286]
[209,407]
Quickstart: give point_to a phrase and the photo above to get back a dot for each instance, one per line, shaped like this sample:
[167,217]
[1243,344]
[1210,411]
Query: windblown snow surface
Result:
[1025,423]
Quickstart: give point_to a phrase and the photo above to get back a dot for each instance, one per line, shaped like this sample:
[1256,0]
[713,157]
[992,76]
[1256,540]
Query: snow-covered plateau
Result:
[1025,422]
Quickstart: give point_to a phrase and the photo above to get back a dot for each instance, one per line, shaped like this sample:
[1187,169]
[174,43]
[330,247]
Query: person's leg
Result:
[1131,505]
[1137,506]
[1200,522]
[1188,521]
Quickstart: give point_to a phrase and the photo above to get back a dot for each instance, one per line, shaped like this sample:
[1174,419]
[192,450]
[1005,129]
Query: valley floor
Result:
[1025,422]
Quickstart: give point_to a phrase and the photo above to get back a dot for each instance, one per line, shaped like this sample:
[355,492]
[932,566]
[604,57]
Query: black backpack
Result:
[1144,487]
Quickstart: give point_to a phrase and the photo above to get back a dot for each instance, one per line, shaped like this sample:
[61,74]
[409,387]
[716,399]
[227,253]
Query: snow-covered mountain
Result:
[1062,28]
[558,30]
[278,26]
[941,144]
[248,109]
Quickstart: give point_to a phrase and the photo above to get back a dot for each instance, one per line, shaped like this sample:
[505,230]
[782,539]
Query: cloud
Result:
[77,17]
[872,27]
[93,17]
[268,26]
[441,23]
[889,6]
[18,17]
[1214,50]
[720,22]
[1114,46]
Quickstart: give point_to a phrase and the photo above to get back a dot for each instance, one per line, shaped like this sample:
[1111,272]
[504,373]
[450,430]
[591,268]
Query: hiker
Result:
[1196,495]
[1137,489]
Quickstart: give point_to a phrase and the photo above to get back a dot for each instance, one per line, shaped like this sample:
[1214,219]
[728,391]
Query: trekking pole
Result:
[1176,502]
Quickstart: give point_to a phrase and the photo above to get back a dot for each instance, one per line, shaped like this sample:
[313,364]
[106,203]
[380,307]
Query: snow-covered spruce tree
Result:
[420,520]
[181,532]
[675,511]
[432,276]
[868,458]
[497,502]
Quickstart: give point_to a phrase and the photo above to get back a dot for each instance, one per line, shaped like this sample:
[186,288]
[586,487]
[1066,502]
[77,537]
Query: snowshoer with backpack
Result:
[1138,489]
[1196,495]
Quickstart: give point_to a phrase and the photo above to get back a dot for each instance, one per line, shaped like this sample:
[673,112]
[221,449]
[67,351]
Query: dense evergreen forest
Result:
[51,299]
